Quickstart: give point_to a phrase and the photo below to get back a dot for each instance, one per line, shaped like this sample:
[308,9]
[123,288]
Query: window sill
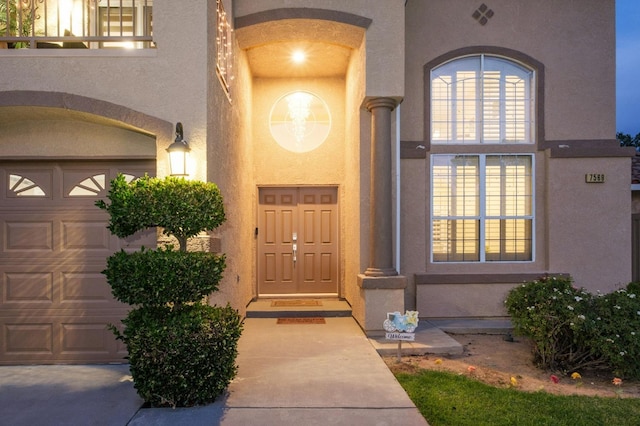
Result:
[482,148]
[488,278]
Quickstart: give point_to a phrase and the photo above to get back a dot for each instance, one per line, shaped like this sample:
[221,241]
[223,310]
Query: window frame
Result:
[481,215]
[476,108]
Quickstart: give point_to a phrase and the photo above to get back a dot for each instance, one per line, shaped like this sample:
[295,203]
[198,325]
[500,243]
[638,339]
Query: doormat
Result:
[296,302]
[313,320]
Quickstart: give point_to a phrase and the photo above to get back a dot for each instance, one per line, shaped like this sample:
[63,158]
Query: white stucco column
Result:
[380,198]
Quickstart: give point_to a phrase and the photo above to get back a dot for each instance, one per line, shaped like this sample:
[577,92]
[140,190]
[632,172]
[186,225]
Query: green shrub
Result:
[573,329]
[158,277]
[182,357]
[634,288]
[552,313]
[181,207]
[181,352]
[618,325]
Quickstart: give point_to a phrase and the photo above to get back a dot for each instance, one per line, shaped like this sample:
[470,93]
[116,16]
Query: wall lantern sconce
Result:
[178,153]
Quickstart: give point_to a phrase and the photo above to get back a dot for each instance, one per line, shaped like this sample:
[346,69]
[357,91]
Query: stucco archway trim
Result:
[507,53]
[302,13]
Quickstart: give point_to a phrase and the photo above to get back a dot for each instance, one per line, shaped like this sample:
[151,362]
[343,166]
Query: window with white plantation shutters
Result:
[482,100]
[482,208]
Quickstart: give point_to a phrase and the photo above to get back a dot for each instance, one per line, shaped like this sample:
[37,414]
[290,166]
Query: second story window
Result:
[482,100]
[79,24]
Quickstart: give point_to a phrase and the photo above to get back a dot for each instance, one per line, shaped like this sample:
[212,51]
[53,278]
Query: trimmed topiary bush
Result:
[182,357]
[181,352]
[182,208]
[149,277]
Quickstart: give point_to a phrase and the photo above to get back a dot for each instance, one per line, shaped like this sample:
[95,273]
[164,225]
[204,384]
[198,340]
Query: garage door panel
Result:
[70,338]
[85,235]
[27,340]
[85,338]
[62,287]
[86,288]
[33,236]
[27,288]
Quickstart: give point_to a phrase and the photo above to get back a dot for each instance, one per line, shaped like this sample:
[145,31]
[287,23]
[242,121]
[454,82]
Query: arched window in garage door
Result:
[23,187]
[94,185]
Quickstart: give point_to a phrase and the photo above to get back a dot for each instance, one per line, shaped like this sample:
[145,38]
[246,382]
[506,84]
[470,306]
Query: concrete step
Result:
[433,336]
[298,308]
[473,325]
[429,339]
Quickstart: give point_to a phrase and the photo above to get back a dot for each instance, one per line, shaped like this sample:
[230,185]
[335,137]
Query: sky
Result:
[628,66]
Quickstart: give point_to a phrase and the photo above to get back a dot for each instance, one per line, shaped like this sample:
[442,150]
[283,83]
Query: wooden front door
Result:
[298,241]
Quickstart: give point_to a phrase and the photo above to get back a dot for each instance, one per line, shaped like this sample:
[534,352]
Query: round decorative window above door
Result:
[300,121]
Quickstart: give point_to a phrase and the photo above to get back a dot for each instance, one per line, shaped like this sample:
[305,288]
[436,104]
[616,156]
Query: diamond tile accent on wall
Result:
[483,14]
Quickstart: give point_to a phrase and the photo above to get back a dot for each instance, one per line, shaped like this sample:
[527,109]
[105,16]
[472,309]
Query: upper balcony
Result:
[76,24]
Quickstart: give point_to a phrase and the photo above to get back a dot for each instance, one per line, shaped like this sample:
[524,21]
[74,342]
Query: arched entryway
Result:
[307,83]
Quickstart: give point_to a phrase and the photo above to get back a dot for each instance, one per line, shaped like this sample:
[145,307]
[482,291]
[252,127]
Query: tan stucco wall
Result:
[275,165]
[72,138]
[463,300]
[231,143]
[413,220]
[356,185]
[229,154]
[589,223]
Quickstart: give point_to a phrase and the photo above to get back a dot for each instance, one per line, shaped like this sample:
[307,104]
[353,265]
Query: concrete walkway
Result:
[289,374]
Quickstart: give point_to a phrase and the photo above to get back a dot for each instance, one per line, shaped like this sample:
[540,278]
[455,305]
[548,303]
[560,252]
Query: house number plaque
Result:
[594,178]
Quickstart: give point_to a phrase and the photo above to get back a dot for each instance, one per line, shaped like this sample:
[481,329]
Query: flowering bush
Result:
[573,329]
[618,325]
[551,312]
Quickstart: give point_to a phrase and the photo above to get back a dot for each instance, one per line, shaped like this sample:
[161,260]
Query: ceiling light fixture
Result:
[298,56]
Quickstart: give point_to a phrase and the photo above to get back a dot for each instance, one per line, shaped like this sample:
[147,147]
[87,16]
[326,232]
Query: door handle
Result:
[295,253]
[294,247]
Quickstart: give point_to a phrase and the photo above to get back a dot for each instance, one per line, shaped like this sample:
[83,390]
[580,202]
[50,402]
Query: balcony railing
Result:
[79,24]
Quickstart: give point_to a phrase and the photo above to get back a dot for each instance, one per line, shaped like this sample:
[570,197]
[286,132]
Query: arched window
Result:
[482,99]
[482,201]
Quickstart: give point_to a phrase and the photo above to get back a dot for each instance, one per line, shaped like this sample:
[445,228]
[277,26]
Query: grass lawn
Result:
[454,400]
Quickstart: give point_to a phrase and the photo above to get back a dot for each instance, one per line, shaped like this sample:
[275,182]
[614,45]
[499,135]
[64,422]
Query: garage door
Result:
[55,304]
